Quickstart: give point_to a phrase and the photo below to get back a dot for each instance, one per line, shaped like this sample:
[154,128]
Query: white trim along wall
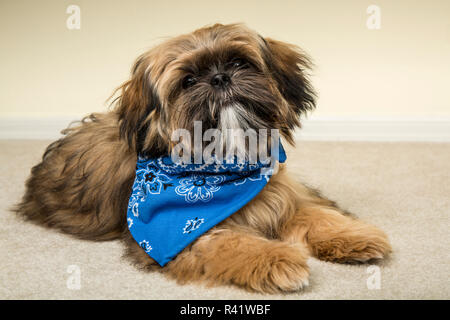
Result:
[314,129]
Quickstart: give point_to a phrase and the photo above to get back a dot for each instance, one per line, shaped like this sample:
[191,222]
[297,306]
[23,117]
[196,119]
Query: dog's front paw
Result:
[286,276]
[282,269]
[372,247]
[250,262]
[356,246]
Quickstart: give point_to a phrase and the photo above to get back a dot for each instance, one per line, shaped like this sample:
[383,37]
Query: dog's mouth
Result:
[230,113]
[243,114]
[218,104]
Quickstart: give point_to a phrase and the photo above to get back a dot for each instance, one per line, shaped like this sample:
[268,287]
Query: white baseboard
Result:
[378,129]
[16,128]
[316,129]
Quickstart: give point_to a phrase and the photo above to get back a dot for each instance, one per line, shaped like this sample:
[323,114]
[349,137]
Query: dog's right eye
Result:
[189,81]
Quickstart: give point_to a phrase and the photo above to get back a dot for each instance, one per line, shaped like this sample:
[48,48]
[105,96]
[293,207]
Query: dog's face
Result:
[225,76]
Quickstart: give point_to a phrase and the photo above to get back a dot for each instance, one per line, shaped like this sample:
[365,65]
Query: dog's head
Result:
[225,76]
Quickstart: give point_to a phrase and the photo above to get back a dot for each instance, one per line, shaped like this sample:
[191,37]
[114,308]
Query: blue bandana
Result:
[173,204]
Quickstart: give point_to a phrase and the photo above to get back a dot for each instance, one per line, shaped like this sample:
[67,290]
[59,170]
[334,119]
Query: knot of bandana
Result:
[172,204]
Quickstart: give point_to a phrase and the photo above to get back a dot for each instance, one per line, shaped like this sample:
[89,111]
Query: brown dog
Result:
[83,183]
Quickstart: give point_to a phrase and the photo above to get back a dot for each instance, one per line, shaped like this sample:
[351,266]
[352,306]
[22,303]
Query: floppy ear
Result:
[288,66]
[137,100]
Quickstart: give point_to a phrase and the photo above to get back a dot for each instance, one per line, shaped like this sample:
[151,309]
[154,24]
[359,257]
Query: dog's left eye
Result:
[238,63]
[189,81]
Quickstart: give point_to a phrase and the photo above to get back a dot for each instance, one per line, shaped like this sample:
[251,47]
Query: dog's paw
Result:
[281,270]
[375,248]
[287,276]
[354,248]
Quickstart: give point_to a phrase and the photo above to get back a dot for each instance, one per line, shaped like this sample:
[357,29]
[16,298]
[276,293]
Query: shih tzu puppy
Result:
[110,177]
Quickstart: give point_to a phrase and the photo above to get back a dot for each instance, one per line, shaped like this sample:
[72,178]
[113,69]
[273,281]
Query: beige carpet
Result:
[404,188]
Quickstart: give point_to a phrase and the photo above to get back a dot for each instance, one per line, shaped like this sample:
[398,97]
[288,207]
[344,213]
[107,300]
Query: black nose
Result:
[220,80]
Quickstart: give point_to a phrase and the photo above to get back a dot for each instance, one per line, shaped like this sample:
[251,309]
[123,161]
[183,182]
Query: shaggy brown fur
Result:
[82,185]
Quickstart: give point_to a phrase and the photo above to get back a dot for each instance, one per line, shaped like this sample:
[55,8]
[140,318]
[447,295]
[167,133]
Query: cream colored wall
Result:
[401,70]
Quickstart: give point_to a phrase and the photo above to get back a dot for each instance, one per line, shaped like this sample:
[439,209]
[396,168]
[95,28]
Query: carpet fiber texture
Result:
[403,188]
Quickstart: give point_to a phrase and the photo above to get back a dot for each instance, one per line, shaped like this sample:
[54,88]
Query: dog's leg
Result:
[331,234]
[239,257]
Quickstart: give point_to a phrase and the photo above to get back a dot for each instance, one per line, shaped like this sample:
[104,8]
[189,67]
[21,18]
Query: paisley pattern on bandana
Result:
[192,225]
[199,187]
[172,204]
[150,180]
[145,245]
